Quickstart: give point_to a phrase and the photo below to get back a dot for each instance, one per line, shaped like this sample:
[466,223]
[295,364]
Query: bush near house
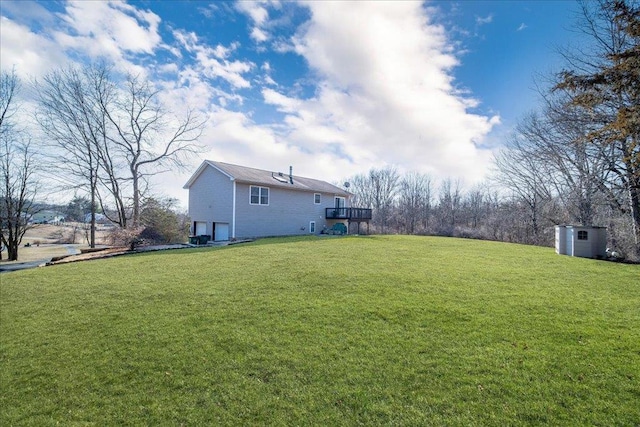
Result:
[378,330]
[162,223]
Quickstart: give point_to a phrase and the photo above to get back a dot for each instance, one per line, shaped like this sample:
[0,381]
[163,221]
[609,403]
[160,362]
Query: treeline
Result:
[416,203]
[576,160]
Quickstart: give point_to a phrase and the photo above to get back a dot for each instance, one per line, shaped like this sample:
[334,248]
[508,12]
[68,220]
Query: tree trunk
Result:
[136,196]
[634,201]
[92,232]
[12,252]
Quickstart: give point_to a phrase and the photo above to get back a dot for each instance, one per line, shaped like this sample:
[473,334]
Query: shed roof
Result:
[249,175]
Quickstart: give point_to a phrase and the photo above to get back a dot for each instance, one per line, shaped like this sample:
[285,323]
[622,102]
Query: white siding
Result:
[288,213]
[210,198]
[561,239]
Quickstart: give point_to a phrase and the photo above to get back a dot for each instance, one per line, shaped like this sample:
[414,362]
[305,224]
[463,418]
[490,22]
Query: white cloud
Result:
[484,20]
[112,30]
[221,52]
[258,13]
[255,10]
[284,104]
[259,35]
[28,11]
[31,54]
[115,23]
[233,137]
[522,27]
[386,92]
[212,62]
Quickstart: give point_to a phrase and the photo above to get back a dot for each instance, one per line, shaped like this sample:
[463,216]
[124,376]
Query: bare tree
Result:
[383,186]
[578,159]
[75,126]
[149,141]
[449,203]
[414,200]
[527,179]
[474,205]
[111,136]
[376,190]
[360,190]
[18,185]
[567,167]
[494,218]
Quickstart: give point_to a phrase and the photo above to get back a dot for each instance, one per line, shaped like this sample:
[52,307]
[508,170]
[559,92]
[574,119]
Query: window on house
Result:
[312,227]
[259,195]
[583,235]
[316,198]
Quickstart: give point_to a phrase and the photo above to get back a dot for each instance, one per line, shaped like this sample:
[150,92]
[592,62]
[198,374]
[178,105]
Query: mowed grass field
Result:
[376,330]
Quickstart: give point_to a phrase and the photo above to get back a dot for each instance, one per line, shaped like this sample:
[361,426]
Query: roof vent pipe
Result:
[291,174]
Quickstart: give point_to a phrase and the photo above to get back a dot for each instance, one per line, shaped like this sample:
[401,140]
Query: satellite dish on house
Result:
[347,184]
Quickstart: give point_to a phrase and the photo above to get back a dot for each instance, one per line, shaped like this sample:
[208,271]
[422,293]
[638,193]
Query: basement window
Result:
[312,227]
[583,235]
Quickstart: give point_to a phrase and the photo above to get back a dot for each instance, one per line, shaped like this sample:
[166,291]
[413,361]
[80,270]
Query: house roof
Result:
[249,175]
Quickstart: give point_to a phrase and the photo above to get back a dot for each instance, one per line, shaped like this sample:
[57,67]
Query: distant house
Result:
[47,217]
[229,201]
[100,218]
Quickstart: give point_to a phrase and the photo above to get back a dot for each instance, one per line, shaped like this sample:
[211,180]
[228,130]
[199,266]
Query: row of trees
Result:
[103,136]
[576,160]
[582,148]
[416,203]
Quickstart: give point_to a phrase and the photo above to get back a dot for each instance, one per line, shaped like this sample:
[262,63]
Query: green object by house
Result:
[340,228]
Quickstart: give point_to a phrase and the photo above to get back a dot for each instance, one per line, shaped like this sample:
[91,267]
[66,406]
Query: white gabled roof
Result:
[248,175]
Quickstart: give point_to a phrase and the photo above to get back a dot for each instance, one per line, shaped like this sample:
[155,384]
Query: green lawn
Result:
[381,330]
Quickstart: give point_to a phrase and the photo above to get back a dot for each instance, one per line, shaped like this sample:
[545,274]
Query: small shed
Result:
[581,241]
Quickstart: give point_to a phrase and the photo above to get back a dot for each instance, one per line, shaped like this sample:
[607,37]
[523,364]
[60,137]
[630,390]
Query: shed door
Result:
[222,231]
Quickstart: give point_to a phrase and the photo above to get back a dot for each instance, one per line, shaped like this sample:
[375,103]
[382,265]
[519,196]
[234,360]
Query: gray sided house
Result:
[229,202]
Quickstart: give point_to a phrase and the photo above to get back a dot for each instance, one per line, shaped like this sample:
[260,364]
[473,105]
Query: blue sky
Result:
[331,88]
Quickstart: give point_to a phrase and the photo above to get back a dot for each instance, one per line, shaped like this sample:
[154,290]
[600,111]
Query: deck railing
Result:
[353,214]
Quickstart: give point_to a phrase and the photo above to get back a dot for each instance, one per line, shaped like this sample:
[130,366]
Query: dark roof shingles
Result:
[258,176]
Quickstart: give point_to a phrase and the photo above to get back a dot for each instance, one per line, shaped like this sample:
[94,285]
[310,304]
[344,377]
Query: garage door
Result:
[222,231]
[201,228]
